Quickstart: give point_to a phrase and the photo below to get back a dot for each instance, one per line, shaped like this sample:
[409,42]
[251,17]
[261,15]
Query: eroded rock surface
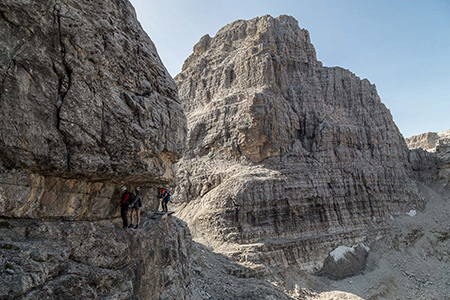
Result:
[411,262]
[425,165]
[428,140]
[86,105]
[430,156]
[287,159]
[94,260]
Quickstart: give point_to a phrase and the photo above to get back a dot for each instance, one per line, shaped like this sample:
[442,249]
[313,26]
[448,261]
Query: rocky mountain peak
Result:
[270,63]
[260,30]
[265,38]
[287,161]
[283,152]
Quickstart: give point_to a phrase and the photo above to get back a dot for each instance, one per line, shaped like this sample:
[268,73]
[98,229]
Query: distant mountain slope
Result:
[438,165]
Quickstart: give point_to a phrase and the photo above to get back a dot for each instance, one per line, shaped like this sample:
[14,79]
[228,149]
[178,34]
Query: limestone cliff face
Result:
[430,156]
[286,158]
[86,105]
[426,141]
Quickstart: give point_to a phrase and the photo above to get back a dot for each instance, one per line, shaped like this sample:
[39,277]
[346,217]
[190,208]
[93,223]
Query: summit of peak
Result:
[280,36]
[259,24]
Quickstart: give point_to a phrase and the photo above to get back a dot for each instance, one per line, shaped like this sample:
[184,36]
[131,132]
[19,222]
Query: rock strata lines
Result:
[285,156]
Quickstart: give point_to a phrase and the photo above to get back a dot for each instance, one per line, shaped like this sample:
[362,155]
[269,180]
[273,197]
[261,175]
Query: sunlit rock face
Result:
[286,158]
[430,156]
[86,105]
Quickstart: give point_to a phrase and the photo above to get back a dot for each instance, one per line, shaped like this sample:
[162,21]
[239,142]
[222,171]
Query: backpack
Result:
[165,196]
[138,201]
[131,199]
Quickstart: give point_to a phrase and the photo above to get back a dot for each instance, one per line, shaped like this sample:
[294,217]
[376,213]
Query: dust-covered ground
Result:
[413,262]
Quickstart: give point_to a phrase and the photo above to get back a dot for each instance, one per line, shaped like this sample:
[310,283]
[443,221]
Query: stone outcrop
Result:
[424,165]
[87,105]
[94,260]
[287,159]
[430,156]
[428,141]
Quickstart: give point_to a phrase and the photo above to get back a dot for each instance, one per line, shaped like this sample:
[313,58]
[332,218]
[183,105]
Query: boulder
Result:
[345,262]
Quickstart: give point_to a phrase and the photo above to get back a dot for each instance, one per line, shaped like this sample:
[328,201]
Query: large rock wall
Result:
[430,156]
[86,105]
[426,141]
[286,158]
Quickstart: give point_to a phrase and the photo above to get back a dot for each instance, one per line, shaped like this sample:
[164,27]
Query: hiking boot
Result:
[137,225]
[125,227]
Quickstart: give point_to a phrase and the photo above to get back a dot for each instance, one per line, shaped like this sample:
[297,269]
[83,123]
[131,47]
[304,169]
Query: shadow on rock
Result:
[92,260]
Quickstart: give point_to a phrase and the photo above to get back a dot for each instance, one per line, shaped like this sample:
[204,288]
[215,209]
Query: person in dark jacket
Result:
[165,197]
[124,206]
[136,208]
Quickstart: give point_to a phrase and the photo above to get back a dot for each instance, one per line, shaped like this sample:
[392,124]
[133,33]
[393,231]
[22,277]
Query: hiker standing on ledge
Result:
[124,206]
[136,208]
[165,195]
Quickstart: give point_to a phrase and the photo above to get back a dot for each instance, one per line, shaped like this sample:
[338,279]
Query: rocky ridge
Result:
[428,141]
[286,159]
[430,156]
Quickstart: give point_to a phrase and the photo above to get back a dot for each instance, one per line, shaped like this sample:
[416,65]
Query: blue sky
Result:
[401,46]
